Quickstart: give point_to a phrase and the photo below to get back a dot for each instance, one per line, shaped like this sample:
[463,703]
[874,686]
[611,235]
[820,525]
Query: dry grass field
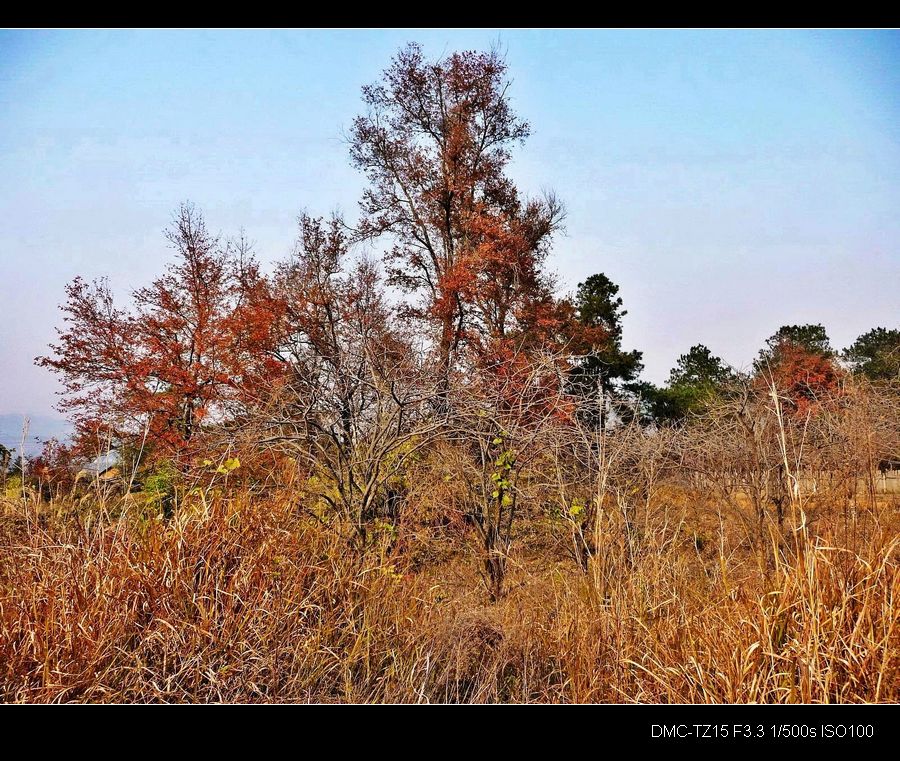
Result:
[242,597]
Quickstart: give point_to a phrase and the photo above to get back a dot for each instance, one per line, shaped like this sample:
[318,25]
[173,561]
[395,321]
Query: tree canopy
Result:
[875,354]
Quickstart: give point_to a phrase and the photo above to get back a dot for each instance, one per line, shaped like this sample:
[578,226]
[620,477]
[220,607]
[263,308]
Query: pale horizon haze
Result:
[729,181]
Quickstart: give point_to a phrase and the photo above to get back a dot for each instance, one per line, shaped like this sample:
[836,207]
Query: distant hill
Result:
[40,429]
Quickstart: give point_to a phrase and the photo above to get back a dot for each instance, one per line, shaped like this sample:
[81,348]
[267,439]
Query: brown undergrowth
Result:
[247,599]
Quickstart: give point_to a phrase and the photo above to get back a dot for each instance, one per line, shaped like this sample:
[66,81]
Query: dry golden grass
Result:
[244,599]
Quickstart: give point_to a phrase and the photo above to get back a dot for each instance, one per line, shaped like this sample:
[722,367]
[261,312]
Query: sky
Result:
[729,181]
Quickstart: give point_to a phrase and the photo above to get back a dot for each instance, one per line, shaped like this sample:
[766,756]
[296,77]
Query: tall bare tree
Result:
[355,403]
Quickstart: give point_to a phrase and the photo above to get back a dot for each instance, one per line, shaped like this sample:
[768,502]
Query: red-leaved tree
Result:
[803,378]
[194,345]
[434,145]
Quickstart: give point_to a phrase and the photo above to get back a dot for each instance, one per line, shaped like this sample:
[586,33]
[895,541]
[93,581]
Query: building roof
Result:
[103,463]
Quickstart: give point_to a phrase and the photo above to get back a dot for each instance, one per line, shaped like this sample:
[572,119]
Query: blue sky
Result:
[729,181]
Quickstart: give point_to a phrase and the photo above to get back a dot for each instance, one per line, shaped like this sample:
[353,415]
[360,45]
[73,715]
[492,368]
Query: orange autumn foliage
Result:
[804,379]
[195,345]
